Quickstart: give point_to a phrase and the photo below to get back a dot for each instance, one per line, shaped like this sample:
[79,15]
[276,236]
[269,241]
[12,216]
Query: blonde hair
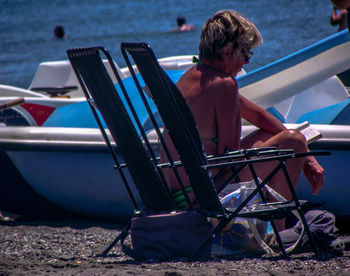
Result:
[224,27]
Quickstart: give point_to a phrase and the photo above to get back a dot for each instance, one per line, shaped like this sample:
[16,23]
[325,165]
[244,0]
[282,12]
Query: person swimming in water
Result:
[59,32]
[182,26]
[339,18]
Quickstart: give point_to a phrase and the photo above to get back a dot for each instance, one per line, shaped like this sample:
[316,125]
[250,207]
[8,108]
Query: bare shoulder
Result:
[201,81]
[224,87]
[227,83]
[187,80]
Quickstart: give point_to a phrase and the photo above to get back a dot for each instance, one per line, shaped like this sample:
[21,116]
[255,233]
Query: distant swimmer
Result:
[339,18]
[182,26]
[59,32]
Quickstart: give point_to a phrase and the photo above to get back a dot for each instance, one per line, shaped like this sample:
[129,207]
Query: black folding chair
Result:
[102,95]
[181,126]
[142,165]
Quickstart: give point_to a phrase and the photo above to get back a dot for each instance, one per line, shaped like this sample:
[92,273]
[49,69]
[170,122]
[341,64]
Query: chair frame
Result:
[96,81]
[93,81]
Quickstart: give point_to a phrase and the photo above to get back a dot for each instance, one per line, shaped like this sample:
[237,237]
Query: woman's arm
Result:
[264,120]
[259,117]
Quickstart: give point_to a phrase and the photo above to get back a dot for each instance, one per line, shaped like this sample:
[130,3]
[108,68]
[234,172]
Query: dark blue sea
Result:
[26,28]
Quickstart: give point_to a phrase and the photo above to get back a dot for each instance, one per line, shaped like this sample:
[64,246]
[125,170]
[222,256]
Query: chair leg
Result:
[120,237]
[300,211]
[273,224]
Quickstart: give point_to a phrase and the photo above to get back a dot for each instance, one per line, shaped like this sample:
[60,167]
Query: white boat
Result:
[30,152]
[71,167]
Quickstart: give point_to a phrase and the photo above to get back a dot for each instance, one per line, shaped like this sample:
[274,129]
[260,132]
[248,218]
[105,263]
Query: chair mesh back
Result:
[90,70]
[179,121]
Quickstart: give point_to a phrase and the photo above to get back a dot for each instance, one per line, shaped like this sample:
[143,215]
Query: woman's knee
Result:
[294,139]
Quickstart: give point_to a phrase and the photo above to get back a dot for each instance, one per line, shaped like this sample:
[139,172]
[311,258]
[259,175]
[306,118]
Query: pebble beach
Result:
[71,246]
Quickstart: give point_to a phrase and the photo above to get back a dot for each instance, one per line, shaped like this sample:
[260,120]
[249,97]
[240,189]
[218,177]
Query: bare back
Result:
[214,102]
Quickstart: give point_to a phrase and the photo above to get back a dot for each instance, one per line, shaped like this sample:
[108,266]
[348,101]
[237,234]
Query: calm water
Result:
[26,28]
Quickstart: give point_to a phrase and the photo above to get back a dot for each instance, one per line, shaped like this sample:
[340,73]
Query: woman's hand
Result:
[314,173]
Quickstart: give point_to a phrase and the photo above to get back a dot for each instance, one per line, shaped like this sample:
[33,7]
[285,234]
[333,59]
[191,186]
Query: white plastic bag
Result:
[242,234]
[248,234]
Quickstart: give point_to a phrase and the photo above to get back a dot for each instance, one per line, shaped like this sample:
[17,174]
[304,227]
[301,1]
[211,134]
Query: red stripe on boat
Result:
[39,112]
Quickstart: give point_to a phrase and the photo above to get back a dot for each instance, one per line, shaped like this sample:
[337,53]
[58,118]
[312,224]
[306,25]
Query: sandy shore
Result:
[69,247]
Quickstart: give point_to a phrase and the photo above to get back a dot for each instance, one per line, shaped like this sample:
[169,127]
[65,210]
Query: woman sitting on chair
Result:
[211,91]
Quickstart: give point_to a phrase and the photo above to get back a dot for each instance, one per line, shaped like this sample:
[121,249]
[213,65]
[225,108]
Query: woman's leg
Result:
[287,139]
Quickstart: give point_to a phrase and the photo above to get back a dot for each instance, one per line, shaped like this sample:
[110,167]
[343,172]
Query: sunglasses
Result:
[247,54]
